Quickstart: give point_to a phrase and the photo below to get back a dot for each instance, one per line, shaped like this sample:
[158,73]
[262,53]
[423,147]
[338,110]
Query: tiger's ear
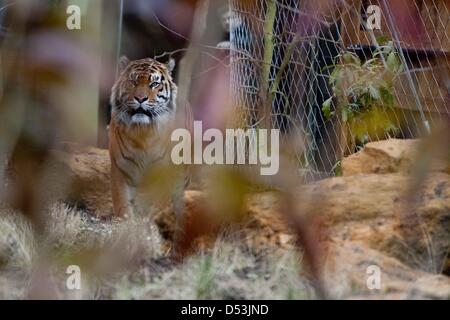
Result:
[123,63]
[170,64]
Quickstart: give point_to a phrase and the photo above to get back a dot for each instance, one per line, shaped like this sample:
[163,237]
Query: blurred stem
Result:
[184,88]
[119,37]
[267,62]
[284,63]
[192,54]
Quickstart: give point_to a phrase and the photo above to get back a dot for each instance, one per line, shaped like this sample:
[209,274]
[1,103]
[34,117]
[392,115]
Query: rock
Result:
[362,216]
[260,225]
[88,171]
[347,272]
[370,209]
[389,156]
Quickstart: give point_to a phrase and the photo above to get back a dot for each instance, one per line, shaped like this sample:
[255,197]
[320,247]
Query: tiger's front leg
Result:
[120,194]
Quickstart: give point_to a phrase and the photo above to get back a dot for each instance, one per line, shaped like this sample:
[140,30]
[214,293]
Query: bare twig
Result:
[184,85]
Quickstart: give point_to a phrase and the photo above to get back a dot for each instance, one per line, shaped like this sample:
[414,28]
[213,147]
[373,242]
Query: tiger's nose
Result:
[141,99]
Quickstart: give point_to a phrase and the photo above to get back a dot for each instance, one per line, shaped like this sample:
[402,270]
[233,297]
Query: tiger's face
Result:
[144,93]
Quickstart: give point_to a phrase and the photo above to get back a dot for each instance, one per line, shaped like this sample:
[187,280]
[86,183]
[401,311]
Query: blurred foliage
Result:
[364,92]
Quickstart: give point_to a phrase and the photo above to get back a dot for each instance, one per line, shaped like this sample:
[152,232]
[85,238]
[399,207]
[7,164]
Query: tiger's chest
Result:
[136,157]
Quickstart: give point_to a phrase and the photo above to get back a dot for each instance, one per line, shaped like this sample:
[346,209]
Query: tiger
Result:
[143,107]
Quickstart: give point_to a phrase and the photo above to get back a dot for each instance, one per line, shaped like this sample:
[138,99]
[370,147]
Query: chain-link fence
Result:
[340,73]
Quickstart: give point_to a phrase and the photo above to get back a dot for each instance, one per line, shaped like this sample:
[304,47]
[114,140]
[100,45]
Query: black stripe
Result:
[163,97]
[122,152]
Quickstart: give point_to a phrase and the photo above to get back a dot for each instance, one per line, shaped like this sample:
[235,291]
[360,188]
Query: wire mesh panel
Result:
[341,73]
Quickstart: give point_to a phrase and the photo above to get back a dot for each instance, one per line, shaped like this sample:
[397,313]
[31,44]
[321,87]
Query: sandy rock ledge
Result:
[363,214]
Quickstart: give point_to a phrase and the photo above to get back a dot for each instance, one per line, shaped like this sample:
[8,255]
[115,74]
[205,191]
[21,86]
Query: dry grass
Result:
[226,272]
[143,269]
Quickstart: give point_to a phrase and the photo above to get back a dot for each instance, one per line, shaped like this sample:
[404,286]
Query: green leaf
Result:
[354,106]
[393,63]
[344,115]
[374,93]
[382,39]
[326,107]
[369,62]
[350,57]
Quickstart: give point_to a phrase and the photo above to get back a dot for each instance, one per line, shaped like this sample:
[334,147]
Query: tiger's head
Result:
[144,93]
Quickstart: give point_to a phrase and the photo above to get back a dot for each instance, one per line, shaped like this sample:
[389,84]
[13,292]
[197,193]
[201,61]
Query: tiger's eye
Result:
[133,82]
[154,85]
